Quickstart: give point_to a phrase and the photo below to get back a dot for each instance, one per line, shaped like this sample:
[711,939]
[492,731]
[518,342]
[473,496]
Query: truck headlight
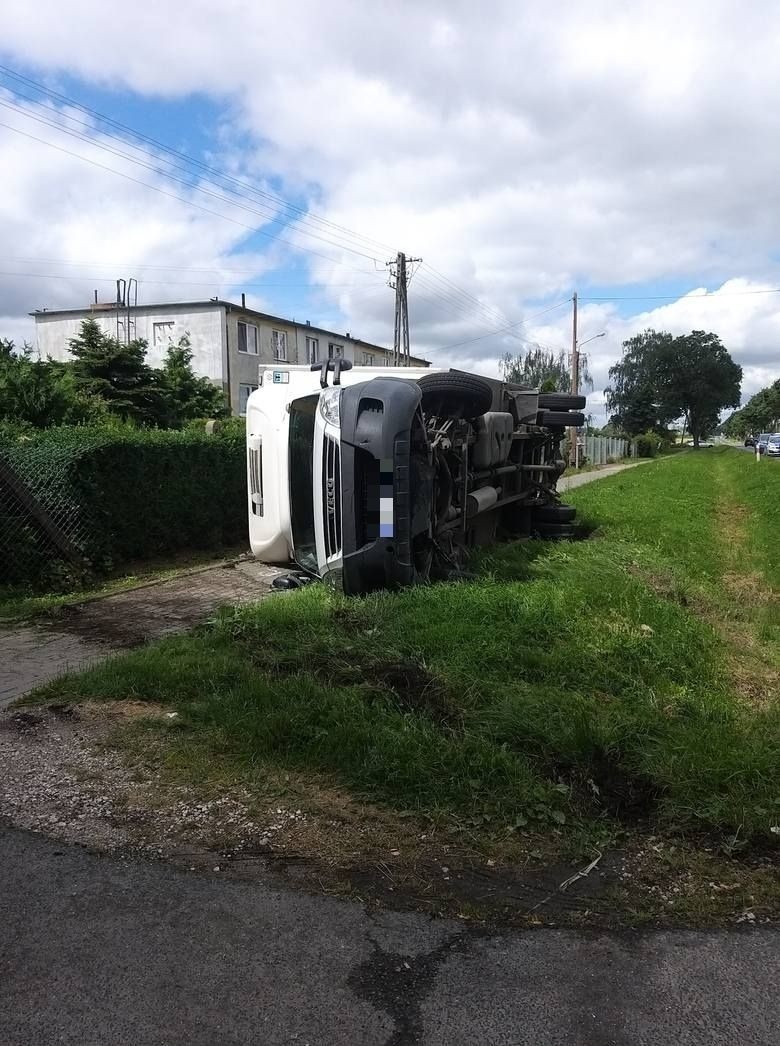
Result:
[330,401]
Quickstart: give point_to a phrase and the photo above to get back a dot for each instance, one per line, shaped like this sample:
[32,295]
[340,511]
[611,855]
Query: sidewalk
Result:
[570,482]
[84,633]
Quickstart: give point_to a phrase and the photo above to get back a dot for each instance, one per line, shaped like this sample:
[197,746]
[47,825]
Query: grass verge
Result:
[583,692]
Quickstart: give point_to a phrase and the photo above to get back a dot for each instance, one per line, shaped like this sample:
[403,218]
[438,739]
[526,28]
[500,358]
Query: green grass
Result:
[572,684]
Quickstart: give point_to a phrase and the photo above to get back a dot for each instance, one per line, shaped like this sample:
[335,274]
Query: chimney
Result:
[243,300]
[95,295]
[308,323]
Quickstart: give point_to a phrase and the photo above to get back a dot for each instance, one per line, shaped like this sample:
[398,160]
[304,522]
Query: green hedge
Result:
[647,445]
[125,494]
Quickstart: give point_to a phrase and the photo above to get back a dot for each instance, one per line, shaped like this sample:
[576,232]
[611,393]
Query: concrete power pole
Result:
[575,381]
[401,330]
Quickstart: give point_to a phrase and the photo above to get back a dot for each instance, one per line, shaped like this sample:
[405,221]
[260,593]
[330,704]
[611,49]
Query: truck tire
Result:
[561,401]
[560,418]
[555,514]
[455,395]
[557,531]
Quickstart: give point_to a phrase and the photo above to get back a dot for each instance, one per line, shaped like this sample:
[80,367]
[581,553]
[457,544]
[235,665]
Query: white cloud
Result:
[522,150]
[70,226]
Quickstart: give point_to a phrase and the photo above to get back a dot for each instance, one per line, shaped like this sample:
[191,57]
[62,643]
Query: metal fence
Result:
[43,530]
[598,450]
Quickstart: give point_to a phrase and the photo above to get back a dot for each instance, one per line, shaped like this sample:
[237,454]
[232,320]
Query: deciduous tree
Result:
[544,369]
[661,378]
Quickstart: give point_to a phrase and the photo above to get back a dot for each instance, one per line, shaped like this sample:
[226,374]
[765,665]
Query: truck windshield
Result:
[302,414]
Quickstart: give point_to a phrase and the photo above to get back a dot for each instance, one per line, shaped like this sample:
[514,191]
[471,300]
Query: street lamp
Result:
[580,344]
[576,388]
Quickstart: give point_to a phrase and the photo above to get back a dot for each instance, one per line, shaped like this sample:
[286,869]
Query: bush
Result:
[647,445]
[123,494]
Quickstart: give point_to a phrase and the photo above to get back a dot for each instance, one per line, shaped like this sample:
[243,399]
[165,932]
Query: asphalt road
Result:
[97,950]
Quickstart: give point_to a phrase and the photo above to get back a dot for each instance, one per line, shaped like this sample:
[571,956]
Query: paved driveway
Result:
[33,654]
[96,950]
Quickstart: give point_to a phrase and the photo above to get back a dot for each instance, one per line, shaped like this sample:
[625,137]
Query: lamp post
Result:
[575,384]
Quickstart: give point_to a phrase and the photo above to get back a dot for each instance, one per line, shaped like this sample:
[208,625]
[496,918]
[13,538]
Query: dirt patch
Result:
[410,684]
[731,518]
[662,584]
[415,688]
[628,797]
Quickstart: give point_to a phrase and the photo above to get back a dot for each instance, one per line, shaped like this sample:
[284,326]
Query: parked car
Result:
[750,441]
[389,478]
[773,446]
[762,441]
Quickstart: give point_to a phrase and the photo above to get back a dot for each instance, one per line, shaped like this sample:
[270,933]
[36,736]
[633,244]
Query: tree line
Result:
[106,379]
[761,413]
[661,378]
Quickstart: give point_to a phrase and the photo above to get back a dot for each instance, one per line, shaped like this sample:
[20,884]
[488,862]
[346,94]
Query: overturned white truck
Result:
[376,478]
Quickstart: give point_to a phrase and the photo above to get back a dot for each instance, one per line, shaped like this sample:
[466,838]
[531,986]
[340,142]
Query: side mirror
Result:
[337,365]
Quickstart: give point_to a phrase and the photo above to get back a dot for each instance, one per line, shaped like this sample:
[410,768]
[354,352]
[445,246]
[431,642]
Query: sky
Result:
[627,151]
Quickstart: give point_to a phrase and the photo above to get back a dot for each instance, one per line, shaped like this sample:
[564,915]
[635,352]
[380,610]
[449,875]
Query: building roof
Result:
[96,309]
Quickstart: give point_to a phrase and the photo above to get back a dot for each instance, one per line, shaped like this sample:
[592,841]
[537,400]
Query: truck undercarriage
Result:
[393,480]
[454,461]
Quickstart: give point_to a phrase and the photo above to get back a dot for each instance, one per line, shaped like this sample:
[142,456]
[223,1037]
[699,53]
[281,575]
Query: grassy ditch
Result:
[583,692]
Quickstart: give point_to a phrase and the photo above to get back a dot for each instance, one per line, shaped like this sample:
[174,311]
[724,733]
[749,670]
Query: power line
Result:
[504,330]
[163,283]
[244,186]
[439,286]
[252,208]
[188,160]
[499,314]
[172,196]
[145,265]
[451,298]
[711,295]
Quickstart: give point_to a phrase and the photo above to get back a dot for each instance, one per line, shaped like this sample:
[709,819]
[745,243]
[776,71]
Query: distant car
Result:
[750,441]
[773,446]
[763,439]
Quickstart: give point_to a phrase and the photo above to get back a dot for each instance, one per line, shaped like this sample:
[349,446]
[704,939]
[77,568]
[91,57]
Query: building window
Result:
[368,359]
[244,392]
[247,338]
[312,350]
[162,332]
[335,351]
[279,344]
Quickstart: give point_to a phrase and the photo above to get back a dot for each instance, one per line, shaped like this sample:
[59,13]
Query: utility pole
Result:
[399,281]
[575,381]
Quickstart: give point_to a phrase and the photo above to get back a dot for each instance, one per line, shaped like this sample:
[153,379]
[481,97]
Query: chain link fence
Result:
[44,530]
[80,502]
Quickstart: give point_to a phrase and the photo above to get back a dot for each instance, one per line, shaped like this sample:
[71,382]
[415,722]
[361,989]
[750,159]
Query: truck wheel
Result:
[555,514]
[561,401]
[557,531]
[557,418]
[455,395]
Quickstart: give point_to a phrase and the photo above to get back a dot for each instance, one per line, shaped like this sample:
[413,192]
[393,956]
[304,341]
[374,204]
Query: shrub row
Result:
[124,494]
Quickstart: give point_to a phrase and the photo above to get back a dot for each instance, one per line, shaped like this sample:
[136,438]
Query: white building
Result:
[228,341]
